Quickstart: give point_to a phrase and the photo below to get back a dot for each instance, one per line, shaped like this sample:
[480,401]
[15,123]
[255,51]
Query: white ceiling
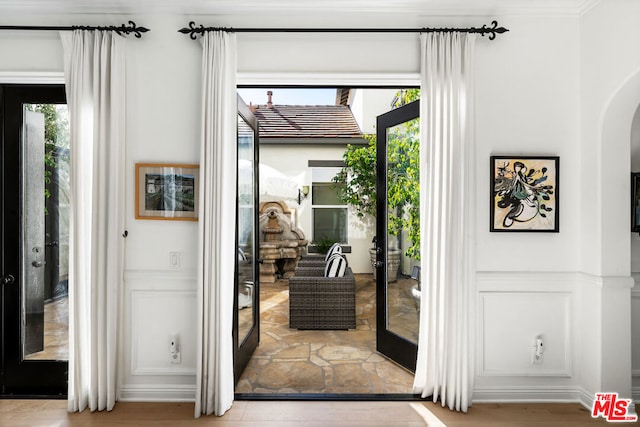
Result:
[274,7]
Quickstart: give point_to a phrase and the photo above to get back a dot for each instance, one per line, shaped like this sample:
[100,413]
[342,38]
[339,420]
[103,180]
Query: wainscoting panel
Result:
[515,308]
[160,304]
[155,317]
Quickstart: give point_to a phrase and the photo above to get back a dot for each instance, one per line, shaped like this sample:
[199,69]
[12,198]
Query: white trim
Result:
[635,290]
[32,77]
[512,394]
[531,394]
[329,79]
[547,281]
[521,281]
[586,398]
[157,393]
[163,275]
[298,8]
[587,6]
[618,282]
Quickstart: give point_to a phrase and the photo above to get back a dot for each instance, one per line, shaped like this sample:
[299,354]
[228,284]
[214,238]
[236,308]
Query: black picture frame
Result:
[524,195]
[635,202]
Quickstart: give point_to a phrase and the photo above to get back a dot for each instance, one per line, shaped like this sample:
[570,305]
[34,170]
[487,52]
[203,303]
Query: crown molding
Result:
[32,77]
[298,7]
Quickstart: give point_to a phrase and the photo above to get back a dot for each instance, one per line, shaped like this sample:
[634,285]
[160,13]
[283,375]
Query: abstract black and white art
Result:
[524,193]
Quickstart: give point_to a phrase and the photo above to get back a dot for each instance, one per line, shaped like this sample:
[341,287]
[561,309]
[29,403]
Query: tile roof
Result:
[307,122]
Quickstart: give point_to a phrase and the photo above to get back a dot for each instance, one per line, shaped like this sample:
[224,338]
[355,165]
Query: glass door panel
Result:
[403,173]
[398,172]
[246,231]
[45,232]
[246,304]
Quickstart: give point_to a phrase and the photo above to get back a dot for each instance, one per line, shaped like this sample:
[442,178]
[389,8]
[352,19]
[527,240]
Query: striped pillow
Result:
[336,266]
[334,249]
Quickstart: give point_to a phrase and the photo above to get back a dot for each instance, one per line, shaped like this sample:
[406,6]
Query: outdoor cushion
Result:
[336,248]
[336,266]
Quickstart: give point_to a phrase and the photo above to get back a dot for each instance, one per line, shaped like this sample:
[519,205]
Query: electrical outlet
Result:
[174,349]
[536,359]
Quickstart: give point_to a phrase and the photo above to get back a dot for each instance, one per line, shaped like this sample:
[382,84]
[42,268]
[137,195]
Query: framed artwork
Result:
[167,191]
[525,193]
[635,202]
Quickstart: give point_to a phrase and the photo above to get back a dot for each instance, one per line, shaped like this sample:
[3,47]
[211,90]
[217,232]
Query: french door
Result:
[34,236]
[397,308]
[246,321]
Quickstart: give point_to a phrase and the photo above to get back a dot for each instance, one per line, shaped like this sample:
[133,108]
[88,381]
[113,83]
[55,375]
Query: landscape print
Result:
[166,191]
[171,192]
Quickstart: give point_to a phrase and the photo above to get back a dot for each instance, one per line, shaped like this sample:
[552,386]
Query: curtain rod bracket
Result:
[194,30]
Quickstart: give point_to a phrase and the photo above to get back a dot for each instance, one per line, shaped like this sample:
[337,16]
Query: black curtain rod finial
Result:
[493,30]
[122,29]
[484,30]
[193,30]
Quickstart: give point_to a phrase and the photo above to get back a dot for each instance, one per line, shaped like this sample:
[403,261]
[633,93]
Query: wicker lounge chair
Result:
[312,260]
[318,302]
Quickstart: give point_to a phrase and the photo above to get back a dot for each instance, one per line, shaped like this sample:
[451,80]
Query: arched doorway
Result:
[617,243]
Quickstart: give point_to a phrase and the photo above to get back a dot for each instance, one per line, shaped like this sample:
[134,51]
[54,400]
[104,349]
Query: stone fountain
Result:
[281,242]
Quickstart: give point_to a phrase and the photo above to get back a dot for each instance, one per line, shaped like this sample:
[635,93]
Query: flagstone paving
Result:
[292,361]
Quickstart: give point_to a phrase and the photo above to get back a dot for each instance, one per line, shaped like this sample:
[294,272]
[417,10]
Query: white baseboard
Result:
[524,394]
[512,394]
[157,393]
[635,394]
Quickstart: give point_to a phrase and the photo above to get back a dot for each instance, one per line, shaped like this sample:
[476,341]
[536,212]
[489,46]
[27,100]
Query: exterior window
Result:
[329,215]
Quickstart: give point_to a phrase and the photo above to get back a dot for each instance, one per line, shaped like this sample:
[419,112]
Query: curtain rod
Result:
[194,30]
[132,28]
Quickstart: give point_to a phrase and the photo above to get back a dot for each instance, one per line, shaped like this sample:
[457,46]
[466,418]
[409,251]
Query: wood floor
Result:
[36,413]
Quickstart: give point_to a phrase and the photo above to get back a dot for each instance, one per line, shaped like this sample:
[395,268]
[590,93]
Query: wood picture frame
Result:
[167,191]
[525,194]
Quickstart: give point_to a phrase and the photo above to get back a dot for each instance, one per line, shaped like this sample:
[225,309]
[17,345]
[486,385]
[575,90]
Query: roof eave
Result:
[313,141]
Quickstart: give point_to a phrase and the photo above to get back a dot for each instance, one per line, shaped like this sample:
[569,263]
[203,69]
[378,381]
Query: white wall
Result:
[541,89]
[367,105]
[296,160]
[610,95]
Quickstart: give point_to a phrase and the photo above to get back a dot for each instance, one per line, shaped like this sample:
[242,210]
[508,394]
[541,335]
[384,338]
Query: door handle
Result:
[38,263]
[7,280]
[378,264]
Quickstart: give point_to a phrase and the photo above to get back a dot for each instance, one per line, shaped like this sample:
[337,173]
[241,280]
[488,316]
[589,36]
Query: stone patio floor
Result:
[344,362]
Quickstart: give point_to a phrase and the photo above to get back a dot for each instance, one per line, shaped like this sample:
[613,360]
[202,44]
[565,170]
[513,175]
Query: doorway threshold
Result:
[404,397]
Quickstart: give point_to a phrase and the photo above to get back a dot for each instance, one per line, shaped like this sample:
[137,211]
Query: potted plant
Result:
[323,245]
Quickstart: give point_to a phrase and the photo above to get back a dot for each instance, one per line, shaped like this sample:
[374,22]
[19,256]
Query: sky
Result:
[290,96]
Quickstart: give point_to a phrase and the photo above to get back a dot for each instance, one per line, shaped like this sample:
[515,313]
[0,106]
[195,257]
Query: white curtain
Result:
[447,204]
[94,64]
[217,225]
